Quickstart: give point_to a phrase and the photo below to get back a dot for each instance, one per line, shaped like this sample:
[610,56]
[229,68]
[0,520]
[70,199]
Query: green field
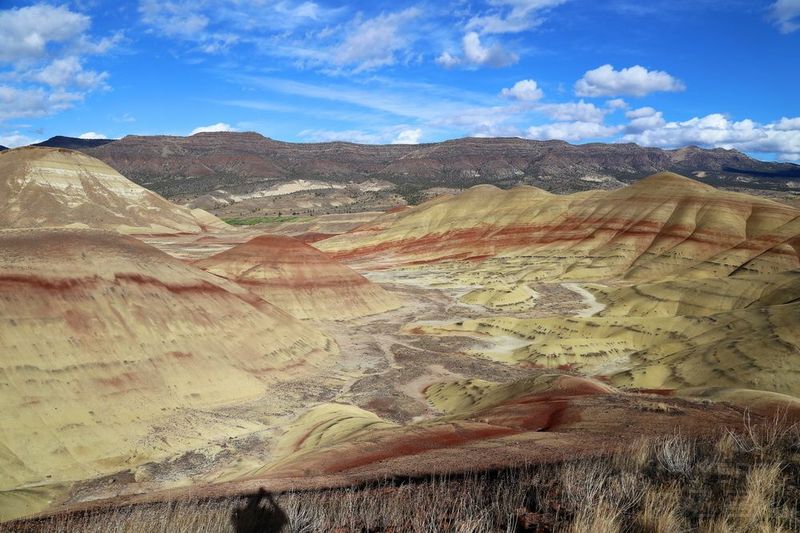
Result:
[250,221]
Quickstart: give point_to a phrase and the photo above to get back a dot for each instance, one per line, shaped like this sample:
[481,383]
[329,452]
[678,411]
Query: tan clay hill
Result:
[53,187]
[299,279]
[115,354]
[664,225]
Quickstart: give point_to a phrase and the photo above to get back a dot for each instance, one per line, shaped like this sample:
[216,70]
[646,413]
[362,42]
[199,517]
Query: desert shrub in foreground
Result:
[737,482]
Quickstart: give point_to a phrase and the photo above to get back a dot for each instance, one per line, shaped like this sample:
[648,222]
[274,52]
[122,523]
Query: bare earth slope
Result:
[661,226]
[54,187]
[299,279]
[113,354]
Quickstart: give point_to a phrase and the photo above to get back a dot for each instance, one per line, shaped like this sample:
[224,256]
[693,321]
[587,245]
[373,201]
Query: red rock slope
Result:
[663,225]
[299,279]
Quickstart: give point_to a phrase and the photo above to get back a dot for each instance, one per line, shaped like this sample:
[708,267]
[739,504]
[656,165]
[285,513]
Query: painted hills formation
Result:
[116,354]
[664,225]
[696,287]
[47,187]
[128,373]
[299,279]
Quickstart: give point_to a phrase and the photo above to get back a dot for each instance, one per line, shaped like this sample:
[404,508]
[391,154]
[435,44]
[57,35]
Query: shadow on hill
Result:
[257,518]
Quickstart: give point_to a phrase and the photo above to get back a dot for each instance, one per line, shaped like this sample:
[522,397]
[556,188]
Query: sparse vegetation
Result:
[251,221]
[739,482]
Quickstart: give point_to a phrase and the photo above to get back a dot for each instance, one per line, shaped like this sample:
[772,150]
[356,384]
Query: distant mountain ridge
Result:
[186,167]
[73,143]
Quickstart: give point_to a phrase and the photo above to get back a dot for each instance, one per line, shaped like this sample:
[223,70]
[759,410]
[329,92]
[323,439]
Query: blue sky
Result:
[659,73]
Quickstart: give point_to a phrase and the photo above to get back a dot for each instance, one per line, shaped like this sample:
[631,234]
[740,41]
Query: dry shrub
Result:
[676,455]
[764,436]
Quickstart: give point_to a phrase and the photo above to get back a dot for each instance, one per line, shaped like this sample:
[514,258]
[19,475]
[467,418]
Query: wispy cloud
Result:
[786,15]
[512,16]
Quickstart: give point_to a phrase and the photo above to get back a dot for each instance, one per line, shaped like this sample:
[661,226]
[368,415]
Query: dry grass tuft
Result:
[661,510]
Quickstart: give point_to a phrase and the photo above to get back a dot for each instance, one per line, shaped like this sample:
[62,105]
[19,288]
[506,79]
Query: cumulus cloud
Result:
[643,119]
[716,130]
[523,90]
[493,56]
[92,135]
[476,54]
[632,81]
[375,42]
[43,49]
[616,104]
[448,60]
[572,131]
[408,136]
[574,112]
[512,16]
[27,31]
[36,102]
[219,126]
[15,138]
[69,71]
[786,15]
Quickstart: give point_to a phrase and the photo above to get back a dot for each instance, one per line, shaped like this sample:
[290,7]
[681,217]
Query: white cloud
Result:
[447,60]
[632,81]
[178,19]
[68,71]
[574,112]
[28,30]
[398,134]
[44,48]
[92,135]
[512,16]
[524,90]
[786,15]
[14,139]
[716,130]
[353,136]
[616,104]
[219,126]
[37,102]
[408,137]
[375,42]
[475,54]
[572,131]
[644,118]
